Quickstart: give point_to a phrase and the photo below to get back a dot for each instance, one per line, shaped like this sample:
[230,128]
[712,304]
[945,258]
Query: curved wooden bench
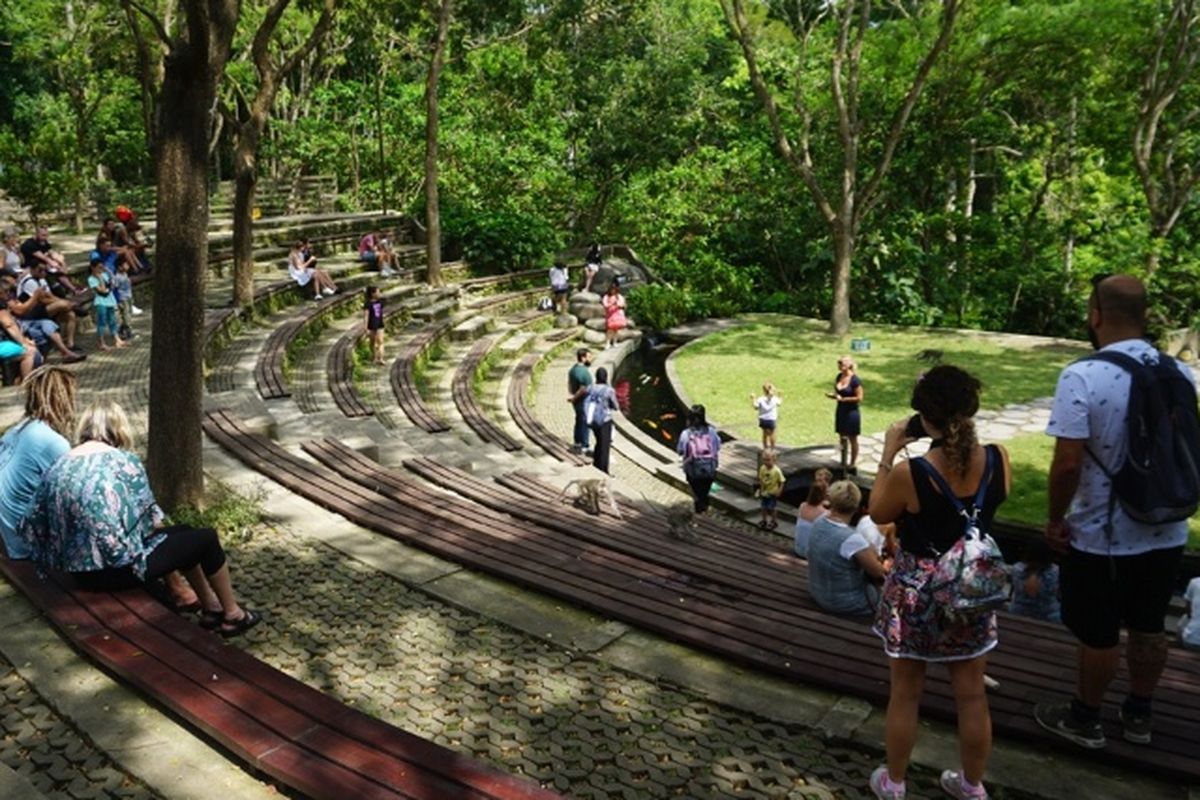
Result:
[404,382]
[268,370]
[339,368]
[462,390]
[538,433]
[701,595]
[269,721]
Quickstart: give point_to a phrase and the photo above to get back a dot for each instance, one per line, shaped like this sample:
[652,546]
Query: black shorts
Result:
[766,424]
[1102,594]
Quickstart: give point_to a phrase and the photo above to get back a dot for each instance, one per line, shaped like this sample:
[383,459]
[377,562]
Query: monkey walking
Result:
[590,493]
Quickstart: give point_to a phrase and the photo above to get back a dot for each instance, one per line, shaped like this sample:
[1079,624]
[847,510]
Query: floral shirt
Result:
[93,512]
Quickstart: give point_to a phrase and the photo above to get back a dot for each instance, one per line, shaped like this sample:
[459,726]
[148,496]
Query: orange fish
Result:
[669,415]
[666,435]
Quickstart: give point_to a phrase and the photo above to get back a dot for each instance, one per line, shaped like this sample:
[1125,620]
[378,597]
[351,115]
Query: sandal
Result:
[764,526]
[211,620]
[187,608]
[237,627]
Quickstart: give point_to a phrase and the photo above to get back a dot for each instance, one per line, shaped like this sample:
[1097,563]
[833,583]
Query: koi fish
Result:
[666,434]
[651,423]
[669,415]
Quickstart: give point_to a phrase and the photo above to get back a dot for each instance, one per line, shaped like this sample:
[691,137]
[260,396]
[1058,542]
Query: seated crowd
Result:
[87,510]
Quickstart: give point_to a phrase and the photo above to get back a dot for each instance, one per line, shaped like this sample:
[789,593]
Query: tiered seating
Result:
[340,372]
[538,433]
[736,595]
[468,405]
[404,383]
[268,371]
[306,741]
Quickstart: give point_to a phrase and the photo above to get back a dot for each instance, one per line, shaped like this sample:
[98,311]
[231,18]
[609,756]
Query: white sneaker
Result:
[876,784]
[954,785]
[137,312]
[328,292]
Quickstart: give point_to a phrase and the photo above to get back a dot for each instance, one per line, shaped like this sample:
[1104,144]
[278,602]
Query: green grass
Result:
[800,358]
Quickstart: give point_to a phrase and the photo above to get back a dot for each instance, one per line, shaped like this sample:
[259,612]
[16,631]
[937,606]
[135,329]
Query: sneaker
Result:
[137,312]
[74,358]
[1136,727]
[328,292]
[878,777]
[954,785]
[1057,718]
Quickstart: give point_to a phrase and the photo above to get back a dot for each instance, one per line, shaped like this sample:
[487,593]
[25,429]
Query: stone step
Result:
[441,309]
[471,328]
[517,343]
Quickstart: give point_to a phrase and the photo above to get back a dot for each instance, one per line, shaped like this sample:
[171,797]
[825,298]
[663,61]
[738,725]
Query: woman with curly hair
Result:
[916,630]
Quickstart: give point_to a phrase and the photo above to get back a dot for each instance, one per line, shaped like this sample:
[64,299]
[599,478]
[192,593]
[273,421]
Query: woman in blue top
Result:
[95,518]
[599,403]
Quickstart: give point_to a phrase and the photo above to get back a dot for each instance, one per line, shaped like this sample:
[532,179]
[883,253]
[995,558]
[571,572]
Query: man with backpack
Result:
[700,446]
[1123,482]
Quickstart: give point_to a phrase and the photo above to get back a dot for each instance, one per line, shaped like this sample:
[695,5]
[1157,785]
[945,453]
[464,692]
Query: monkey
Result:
[590,492]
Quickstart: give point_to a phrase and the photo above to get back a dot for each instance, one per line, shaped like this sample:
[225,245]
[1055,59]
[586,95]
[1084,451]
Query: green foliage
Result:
[234,516]
[498,240]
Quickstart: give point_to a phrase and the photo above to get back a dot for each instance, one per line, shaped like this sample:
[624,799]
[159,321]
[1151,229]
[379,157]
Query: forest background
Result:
[1022,171]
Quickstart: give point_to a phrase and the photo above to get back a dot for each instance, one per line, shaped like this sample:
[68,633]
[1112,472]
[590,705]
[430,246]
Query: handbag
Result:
[971,577]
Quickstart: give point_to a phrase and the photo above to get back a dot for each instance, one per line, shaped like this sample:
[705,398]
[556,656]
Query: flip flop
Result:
[230,628]
[188,608]
[211,620]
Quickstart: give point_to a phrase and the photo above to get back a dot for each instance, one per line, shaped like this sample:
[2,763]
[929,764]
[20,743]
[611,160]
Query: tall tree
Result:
[195,60]
[1166,149]
[442,10]
[253,114]
[846,199]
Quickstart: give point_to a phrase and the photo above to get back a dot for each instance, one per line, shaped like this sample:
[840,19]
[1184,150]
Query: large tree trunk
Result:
[245,185]
[843,257]
[433,214]
[176,381]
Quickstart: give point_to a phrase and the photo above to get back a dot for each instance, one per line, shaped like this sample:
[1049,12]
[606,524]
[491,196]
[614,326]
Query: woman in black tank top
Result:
[914,629]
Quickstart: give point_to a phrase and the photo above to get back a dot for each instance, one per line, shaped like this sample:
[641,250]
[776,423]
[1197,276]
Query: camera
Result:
[914,429]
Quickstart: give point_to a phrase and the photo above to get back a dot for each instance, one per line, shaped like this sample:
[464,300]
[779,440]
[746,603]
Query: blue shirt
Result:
[27,451]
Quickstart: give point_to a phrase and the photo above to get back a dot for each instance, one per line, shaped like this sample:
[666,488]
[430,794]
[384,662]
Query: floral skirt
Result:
[912,625]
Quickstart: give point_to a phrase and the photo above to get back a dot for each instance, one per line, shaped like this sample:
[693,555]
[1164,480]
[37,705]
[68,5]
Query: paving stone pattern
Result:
[585,728]
[49,753]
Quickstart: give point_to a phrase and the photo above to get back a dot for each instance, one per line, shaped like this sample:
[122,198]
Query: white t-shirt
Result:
[1191,631]
[870,533]
[768,408]
[1090,403]
[301,275]
[559,279]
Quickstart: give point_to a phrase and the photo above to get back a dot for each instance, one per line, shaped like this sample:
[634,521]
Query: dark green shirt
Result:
[579,377]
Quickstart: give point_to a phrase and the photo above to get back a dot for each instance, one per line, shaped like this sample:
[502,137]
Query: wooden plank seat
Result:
[734,595]
[404,382]
[463,392]
[530,425]
[339,368]
[302,739]
[492,301]
[269,374]
[504,278]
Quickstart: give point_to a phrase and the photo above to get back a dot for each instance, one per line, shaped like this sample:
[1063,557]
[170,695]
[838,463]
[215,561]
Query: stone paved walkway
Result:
[602,712]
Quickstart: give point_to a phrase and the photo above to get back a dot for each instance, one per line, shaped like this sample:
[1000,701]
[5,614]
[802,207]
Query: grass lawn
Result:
[800,358]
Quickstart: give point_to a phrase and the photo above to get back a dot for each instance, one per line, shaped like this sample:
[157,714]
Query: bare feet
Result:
[103,346]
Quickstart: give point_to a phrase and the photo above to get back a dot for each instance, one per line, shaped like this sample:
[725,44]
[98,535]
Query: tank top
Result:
[932,530]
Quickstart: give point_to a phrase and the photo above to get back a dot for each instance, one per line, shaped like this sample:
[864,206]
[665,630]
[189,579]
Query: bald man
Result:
[1116,572]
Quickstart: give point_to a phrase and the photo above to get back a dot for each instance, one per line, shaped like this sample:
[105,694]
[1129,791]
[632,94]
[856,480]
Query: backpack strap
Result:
[980,493]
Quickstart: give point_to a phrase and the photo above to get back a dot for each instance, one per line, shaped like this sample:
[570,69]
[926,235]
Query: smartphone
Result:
[914,429]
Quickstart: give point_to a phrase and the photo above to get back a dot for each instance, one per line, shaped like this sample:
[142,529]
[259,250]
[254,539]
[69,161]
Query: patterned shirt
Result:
[94,511]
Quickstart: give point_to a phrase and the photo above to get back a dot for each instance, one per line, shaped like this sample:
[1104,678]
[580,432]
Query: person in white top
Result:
[302,267]
[1116,572]
[767,407]
[1189,623]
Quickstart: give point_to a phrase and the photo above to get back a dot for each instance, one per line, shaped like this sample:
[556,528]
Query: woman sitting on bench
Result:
[302,267]
[94,517]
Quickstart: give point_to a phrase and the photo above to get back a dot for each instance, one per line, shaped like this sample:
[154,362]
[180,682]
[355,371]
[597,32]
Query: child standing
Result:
[770,486]
[104,304]
[768,413]
[122,289]
[374,308]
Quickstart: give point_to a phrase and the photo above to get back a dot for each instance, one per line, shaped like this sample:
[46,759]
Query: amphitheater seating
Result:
[462,389]
[308,742]
[538,433]
[269,370]
[340,372]
[735,595]
[404,383]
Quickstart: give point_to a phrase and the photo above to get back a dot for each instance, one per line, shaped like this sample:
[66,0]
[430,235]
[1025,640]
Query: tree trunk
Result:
[189,86]
[843,257]
[433,214]
[245,185]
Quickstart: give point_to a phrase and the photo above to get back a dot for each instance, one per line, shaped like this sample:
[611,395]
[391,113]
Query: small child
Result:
[122,289]
[374,308]
[1035,583]
[104,304]
[768,413]
[770,486]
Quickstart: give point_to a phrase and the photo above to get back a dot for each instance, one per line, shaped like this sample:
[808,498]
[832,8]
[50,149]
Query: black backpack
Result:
[1159,481]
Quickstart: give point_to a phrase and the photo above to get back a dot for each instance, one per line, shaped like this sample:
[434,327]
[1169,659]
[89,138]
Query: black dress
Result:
[846,420]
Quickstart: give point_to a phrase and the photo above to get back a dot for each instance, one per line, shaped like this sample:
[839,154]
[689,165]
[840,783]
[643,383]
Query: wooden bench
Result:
[404,382]
[463,391]
[302,739]
[339,368]
[518,409]
[269,374]
[736,595]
